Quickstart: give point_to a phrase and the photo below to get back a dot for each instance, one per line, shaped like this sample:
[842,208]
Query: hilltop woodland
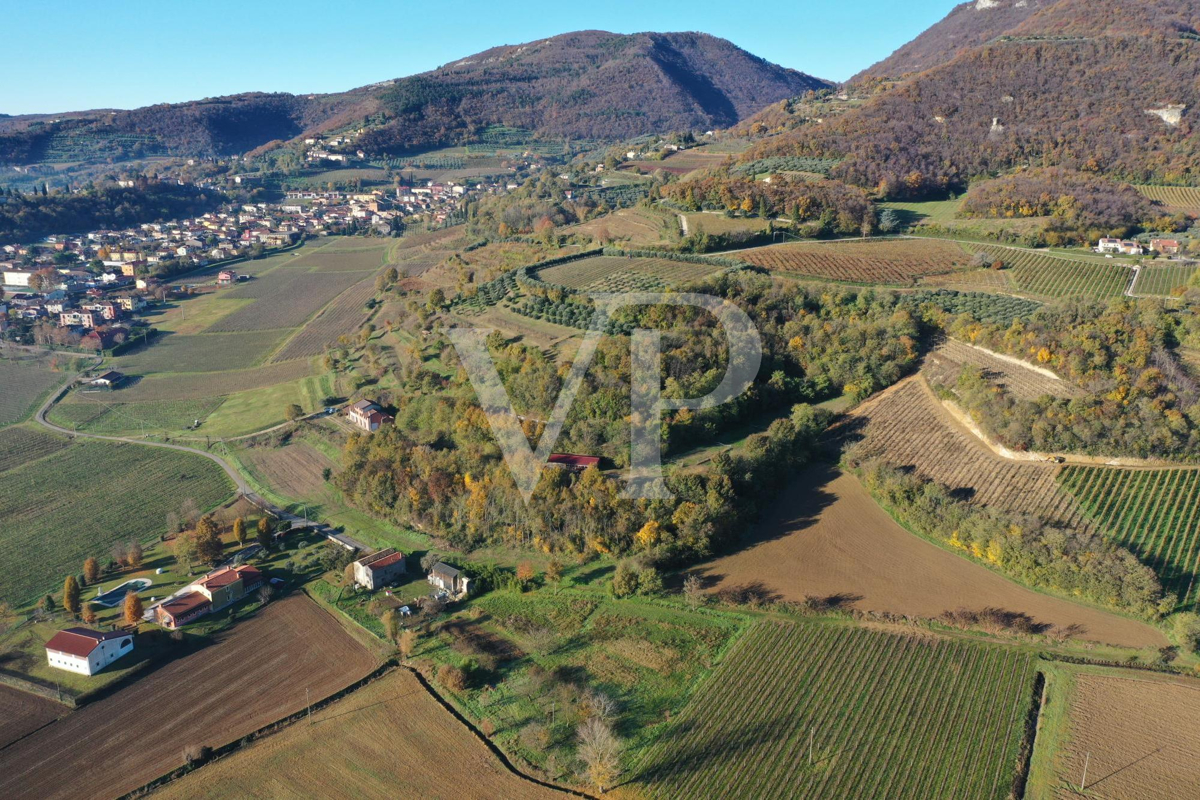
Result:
[1137,401]
[30,217]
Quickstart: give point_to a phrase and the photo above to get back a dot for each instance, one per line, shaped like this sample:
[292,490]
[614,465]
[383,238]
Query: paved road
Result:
[238,481]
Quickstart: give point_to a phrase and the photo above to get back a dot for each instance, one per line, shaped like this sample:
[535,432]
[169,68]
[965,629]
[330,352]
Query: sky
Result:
[68,55]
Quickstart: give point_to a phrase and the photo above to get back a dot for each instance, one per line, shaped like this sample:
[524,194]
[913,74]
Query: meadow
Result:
[96,412]
[83,499]
[897,262]
[831,711]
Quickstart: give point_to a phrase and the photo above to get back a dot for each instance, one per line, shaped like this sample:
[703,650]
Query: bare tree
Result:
[692,592]
[600,751]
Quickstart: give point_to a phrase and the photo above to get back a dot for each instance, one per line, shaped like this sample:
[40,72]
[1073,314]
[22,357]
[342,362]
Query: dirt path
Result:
[828,537]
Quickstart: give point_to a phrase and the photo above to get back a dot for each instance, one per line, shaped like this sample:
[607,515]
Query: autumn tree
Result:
[133,608]
[89,614]
[71,595]
[625,580]
[600,751]
[406,643]
[91,571]
[209,546]
[525,574]
[264,532]
[554,573]
[134,554]
[293,412]
[239,530]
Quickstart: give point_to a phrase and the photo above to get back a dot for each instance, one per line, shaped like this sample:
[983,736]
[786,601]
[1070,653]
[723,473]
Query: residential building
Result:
[85,651]
[107,380]
[177,611]
[379,569]
[228,585]
[449,579]
[368,416]
[1168,247]
[575,463]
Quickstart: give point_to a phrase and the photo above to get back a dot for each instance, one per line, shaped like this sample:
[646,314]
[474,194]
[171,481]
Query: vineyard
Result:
[1163,281]
[1153,513]
[96,412]
[1176,198]
[340,256]
[193,385]
[946,361]
[342,317]
[1048,276]
[80,501]
[208,352]
[20,445]
[889,261]
[907,427]
[824,711]
[25,382]
[625,274]
[284,300]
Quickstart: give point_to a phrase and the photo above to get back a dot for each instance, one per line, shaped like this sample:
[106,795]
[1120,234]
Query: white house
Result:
[86,651]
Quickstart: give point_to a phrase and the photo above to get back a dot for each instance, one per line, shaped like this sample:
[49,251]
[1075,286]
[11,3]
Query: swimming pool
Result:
[117,593]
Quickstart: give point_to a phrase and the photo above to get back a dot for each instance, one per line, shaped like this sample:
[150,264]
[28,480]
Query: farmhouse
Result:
[449,579]
[214,591]
[1122,246]
[85,651]
[570,461]
[379,569]
[368,416]
[1168,247]
[107,380]
[177,611]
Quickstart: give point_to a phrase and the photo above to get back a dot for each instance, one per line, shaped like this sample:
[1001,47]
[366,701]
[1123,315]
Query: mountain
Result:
[589,84]
[1103,86]
[968,26]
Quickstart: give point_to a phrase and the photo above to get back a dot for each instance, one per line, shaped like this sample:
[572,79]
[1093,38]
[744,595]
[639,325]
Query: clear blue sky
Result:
[66,55]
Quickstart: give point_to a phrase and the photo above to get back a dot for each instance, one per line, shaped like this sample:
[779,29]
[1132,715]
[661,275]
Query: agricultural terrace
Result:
[887,715]
[22,713]
[897,262]
[945,362]
[1175,198]
[1136,732]
[81,500]
[635,226]
[390,735]
[626,274]
[1046,276]
[908,427]
[1163,281]
[258,671]
[24,382]
[680,163]
[1155,513]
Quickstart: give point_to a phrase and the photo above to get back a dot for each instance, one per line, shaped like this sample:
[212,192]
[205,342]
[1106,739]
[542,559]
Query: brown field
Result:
[908,426]
[680,163]
[636,226]
[829,538]
[1141,734]
[294,470]
[342,317]
[255,673]
[443,238]
[22,714]
[974,280]
[889,261]
[945,362]
[389,739]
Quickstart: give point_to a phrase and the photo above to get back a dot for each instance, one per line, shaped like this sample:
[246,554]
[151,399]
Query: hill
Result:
[589,84]
[968,26]
[1069,87]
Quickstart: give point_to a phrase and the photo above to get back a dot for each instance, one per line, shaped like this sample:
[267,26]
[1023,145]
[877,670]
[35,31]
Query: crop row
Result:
[22,383]
[808,711]
[1154,513]
[342,317]
[1186,197]
[19,445]
[286,302]
[620,273]
[1050,276]
[1162,281]
[888,261]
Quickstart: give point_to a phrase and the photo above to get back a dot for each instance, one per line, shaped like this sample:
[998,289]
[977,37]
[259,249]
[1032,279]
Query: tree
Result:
[89,614]
[348,575]
[600,752]
[264,532]
[406,643]
[625,581]
[649,582]
[437,299]
[692,592]
[71,595]
[294,412]
[239,530]
[209,546]
[48,605]
[133,608]
[185,551]
[91,571]
[134,554]
[554,573]
[428,560]
[525,574]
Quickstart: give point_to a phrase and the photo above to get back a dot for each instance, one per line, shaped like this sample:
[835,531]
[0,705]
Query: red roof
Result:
[184,604]
[386,561]
[572,460]
[227,575]
[80,641]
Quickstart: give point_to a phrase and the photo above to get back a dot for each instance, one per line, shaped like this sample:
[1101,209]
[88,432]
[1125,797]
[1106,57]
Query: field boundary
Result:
[32,687]
[1033,722]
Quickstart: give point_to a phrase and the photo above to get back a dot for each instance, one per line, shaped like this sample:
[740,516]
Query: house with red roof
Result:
[216,590]
[379,569]
[85,651]
[573,462]
[368,416]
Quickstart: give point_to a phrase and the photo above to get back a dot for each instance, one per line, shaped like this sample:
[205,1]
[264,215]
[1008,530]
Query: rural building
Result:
[107,380]
[85,651]
[175,612]
[18,277]
[1168,247]
[575,463]
[226,277]
[449,579]
[379,569]
[368,416]
[228,585]
[1121,246]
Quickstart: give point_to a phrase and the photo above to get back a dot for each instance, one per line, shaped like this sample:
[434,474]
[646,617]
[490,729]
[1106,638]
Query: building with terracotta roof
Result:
[177,611]
[379,569]
[228,585]
[368,416]
[573,462]
[86,651]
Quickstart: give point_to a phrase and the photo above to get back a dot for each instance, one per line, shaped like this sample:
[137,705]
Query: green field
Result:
[24,383]
[936,212]
[888,715]
[80,501]
[1154,513]
[20,444]
[200,353]
[1047,276]
[625,274]
[96,412]
[1162,281]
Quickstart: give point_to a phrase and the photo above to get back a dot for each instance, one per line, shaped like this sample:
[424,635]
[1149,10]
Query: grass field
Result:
[96,412]
[196,385]
[258,671]
[887,261]
[80,501]
[624,274]
[200,353]
[635,226]
[24,383]
[1176,198]
[720,224]
[935,212]
[388,739]
[1154,513]
[888,715]
[1162,281]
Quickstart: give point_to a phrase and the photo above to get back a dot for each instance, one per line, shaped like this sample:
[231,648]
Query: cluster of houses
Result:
[1129,247]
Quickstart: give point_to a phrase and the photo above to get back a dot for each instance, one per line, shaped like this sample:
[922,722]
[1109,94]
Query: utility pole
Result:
[1086,761]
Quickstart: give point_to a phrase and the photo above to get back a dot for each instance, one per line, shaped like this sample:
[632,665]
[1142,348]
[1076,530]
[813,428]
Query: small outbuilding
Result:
[449,579]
